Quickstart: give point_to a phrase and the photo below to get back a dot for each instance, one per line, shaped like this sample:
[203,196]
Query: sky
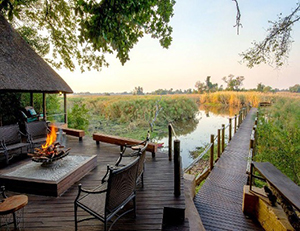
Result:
[205,43]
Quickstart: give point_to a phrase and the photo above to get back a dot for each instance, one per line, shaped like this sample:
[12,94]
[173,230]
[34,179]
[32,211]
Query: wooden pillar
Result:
[230,128]
[235,117]
[65,109]
[211,159]
[177,170]
[44,106]
[219,143]
[170,141]
[223,137]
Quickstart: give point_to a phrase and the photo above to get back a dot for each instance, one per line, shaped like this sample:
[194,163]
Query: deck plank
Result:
[57,213]
[219,201]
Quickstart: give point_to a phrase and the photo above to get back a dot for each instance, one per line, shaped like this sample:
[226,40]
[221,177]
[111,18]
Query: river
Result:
[197,133]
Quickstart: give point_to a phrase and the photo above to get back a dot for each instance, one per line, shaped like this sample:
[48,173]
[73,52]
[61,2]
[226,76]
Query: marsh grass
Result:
[278,139]
[131,116]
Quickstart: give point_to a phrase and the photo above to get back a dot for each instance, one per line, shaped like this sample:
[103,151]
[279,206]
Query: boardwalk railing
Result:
[177,159]
[234,124]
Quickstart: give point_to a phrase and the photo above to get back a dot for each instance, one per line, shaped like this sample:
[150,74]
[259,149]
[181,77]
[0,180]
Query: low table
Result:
[52,180]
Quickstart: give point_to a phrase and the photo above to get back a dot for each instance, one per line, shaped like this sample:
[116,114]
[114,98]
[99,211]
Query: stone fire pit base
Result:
[50,180]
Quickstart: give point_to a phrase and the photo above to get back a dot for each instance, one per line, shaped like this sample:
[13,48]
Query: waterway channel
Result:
[197,132]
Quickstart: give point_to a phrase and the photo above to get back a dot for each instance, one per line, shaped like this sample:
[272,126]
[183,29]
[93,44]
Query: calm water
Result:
[197,133]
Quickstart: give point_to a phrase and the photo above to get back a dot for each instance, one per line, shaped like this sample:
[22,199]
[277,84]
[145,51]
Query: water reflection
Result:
[196,133]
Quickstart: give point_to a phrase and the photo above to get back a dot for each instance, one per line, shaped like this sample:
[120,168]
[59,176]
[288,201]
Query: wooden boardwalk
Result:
[219,201]
[57,213]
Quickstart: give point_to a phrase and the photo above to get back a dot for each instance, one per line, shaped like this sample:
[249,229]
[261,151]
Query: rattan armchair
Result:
[106,201]
[138,150]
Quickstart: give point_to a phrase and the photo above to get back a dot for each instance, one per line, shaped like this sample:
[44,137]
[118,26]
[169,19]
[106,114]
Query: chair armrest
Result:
[108,168]
[23,134]
[101,189]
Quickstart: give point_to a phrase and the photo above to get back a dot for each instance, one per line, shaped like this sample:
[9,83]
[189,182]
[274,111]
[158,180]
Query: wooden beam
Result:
[122,141]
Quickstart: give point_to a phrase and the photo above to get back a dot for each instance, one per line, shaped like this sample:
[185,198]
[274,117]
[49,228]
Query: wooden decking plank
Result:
[57,213]
[219,201]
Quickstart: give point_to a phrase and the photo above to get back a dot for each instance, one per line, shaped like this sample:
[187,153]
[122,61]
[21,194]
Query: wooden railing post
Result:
[211,159]
[170,141]
[219,143]
[230,128]
[223,137]
[235,118]
[177,168]
[254,140]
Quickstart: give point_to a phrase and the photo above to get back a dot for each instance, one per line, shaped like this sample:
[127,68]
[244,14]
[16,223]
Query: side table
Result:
[11,205]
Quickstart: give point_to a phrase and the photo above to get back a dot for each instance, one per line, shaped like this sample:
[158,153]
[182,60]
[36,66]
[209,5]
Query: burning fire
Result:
[51,151]
[51,138]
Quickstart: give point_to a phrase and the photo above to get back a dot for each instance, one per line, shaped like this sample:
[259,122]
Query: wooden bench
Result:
[284,185]
[122,141]
[72,132]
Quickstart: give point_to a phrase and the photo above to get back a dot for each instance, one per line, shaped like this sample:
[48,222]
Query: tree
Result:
[275,48]
[85,30]
[233,83]
[260,87]
[207,86]
[295,88]
[138,91]
[200,87]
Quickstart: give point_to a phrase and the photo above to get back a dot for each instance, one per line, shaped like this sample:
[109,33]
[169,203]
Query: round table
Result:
[13,204]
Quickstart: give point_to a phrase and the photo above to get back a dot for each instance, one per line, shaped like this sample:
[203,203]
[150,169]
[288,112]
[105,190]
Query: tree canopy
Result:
[83,31]
[66,32]
[275,47]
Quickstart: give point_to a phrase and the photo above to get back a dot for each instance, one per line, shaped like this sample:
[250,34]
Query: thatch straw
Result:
[22,69]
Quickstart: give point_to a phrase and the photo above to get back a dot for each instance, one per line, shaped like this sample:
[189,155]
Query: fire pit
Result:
[51,151]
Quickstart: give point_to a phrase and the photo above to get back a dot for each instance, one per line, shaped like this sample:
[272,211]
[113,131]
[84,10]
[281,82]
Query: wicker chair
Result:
[138,150]
[36,133]
[11,142]
[105,201]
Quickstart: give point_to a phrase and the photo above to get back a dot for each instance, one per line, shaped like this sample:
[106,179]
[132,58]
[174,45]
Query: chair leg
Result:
[75,216]
[15,220]
[134,207]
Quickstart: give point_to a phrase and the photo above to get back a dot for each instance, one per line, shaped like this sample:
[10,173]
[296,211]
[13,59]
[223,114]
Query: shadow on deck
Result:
[219,201]
[57,213]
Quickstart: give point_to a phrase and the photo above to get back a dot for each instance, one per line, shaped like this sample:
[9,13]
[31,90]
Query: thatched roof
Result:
[21,69]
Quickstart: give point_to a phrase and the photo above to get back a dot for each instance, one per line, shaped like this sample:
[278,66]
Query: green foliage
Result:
[138,91]
[78,116]
[206,86]
[131,116]
[85,30]
[295,88]
[279,137]
[233,83]
[274,49]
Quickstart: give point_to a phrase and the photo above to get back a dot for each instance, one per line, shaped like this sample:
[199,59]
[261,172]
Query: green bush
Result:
[78,116]
[279,137]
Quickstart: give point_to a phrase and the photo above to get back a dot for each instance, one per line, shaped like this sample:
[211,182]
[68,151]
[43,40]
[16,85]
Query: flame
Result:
[51,138]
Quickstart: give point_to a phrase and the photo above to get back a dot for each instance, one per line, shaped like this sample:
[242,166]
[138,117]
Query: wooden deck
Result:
[219,201]
[57,213]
